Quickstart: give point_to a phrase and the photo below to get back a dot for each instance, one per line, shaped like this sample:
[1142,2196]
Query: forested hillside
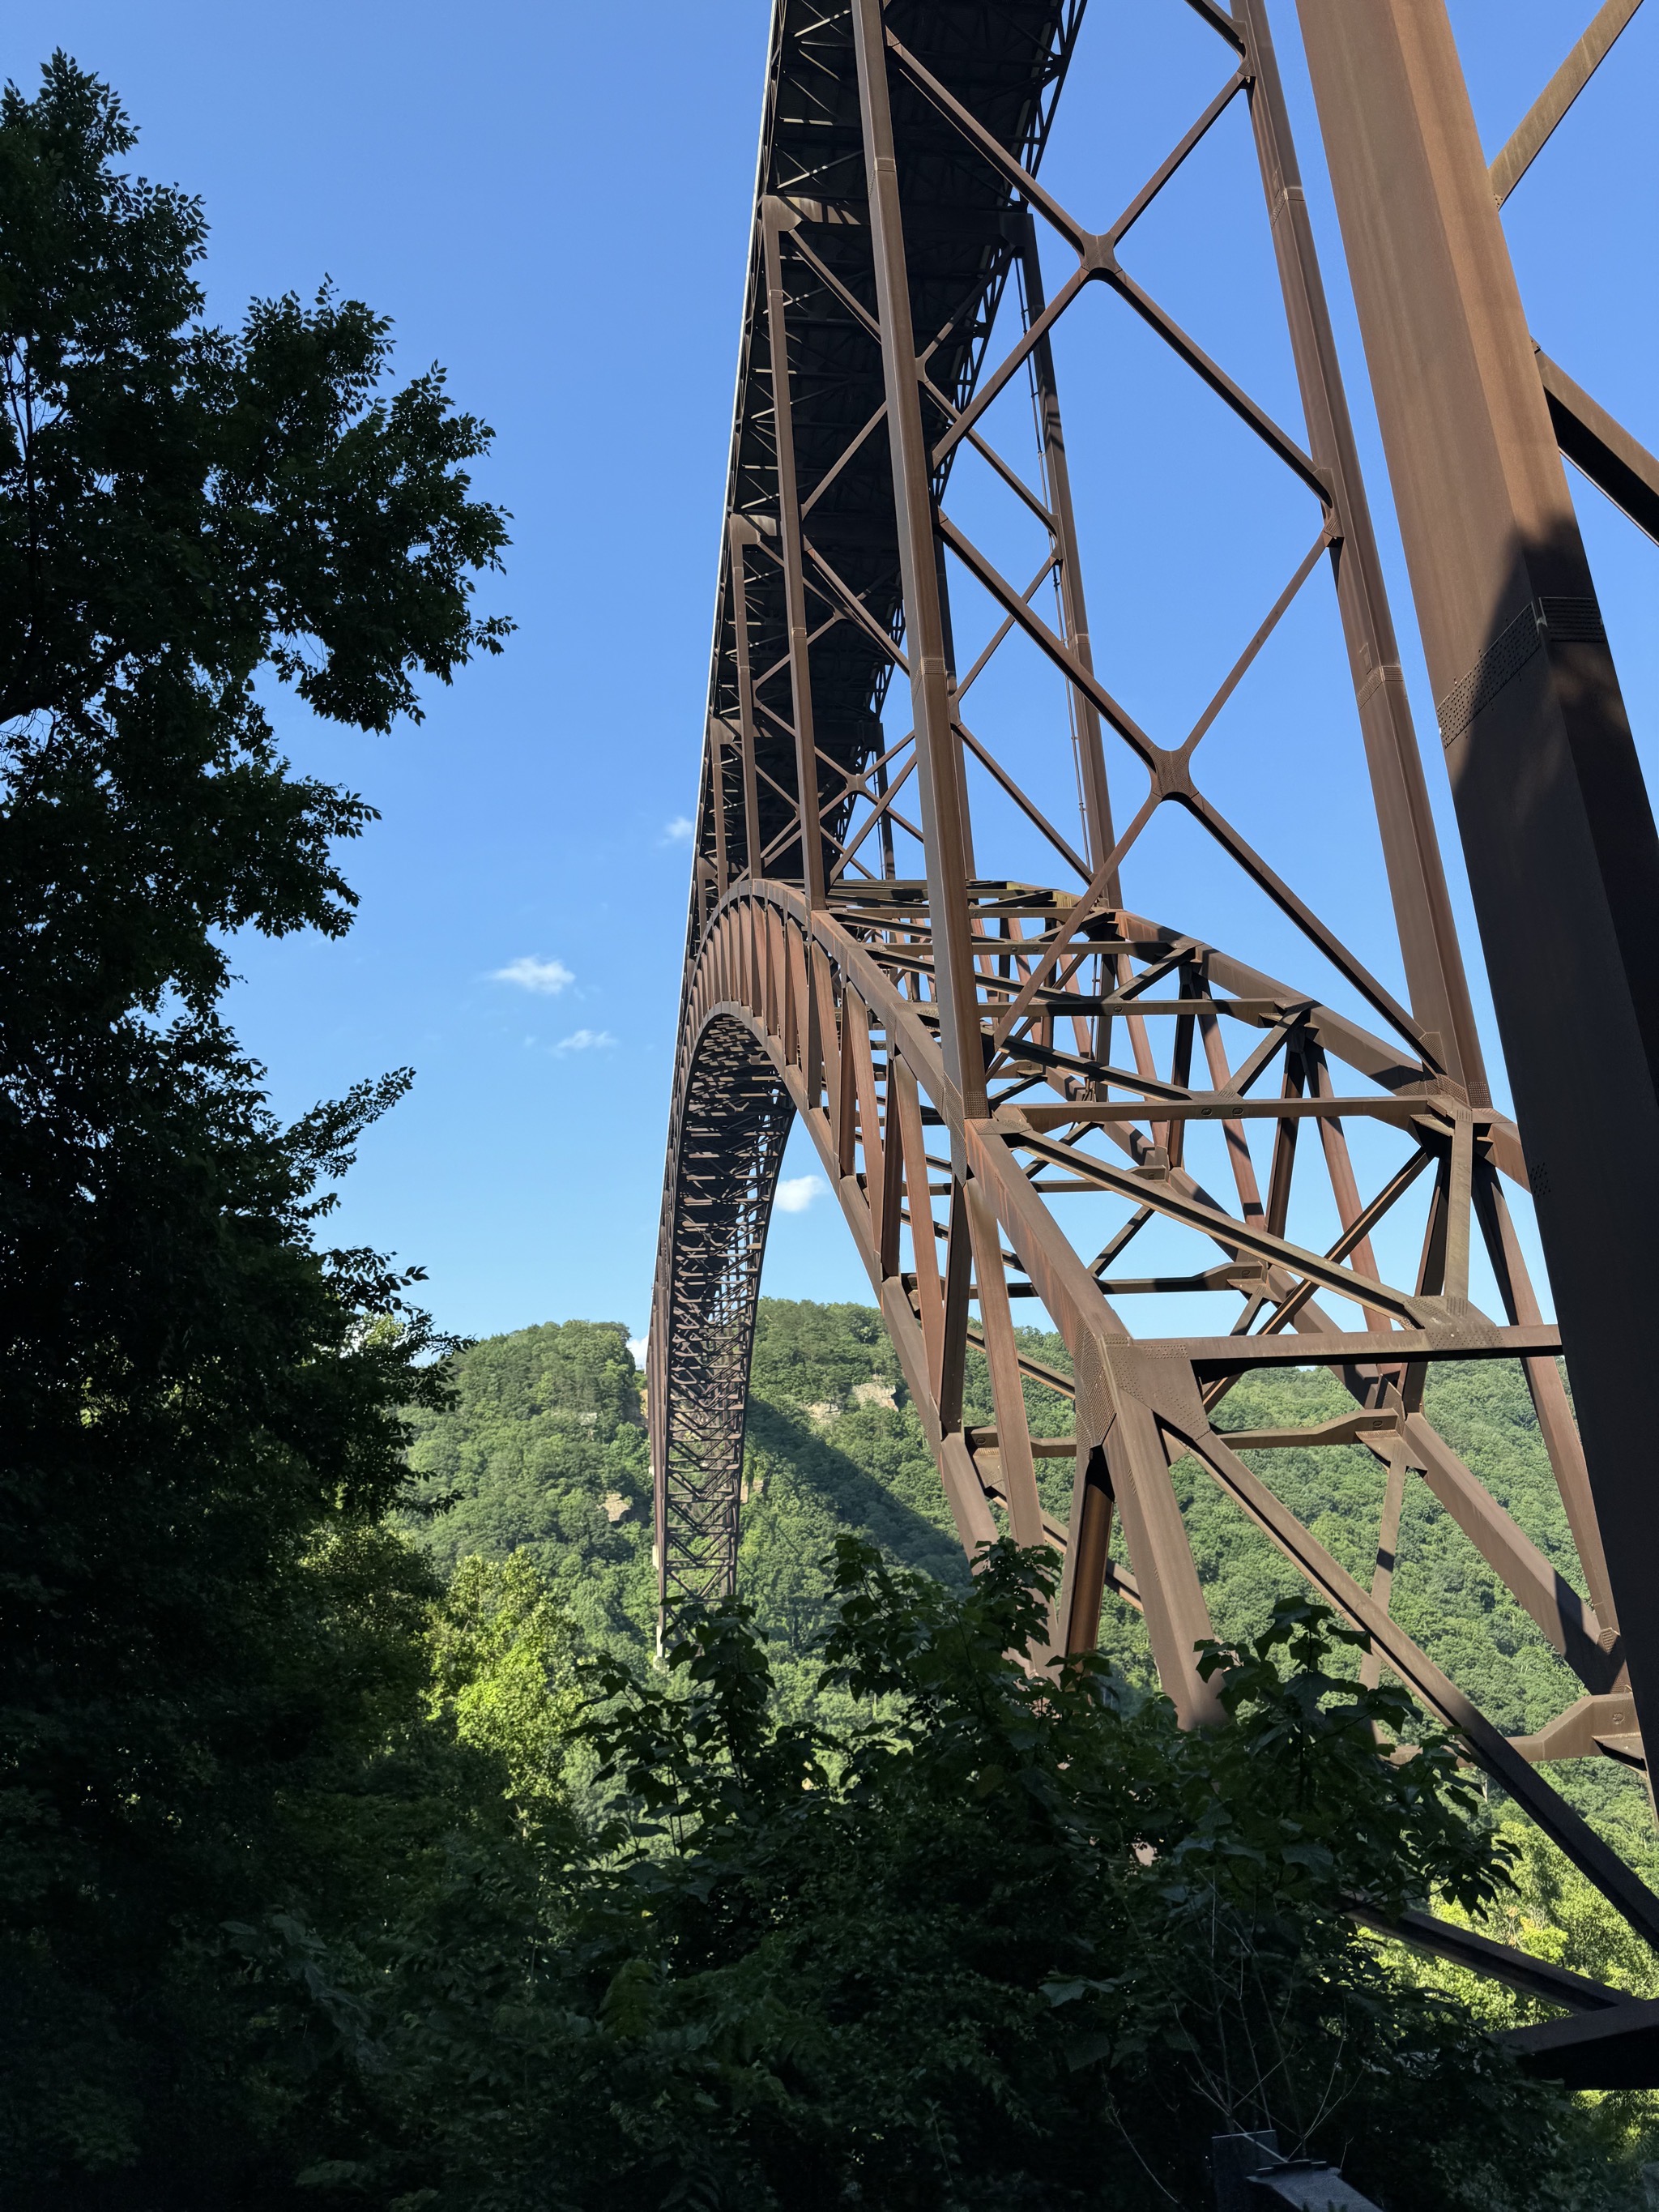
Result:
[545,1450]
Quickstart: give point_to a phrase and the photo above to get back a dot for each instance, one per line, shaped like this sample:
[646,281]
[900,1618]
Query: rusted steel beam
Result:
[1553,812]
[1615,2048]
[1500,1962]
[1428,937]
[944,796]
[1074,599]
[741,533]
[1615,462]
[774,217]
[1527,140]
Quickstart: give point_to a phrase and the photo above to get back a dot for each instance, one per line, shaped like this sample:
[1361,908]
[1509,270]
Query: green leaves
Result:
[211,1633]
[1008,1920]
[345,517]
[1304,1780]
[504,1677]
[1006,1938]
[184,510]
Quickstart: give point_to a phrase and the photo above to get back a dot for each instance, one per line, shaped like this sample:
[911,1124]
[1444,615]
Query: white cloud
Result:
[796,1193]
[549,977]
[636,1345]
[585,1040]
[680,831]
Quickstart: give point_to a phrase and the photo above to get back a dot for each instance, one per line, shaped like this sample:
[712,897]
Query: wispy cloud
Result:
[548,977]
[585,1040]
[636,1345]
[680,831]
[796,1193]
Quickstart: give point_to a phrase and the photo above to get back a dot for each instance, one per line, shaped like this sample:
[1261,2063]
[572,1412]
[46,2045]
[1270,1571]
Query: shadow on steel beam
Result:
[1618,2049]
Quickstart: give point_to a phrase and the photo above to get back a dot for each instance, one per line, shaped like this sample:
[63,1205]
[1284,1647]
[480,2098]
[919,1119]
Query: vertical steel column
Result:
[1562,858]
[1437,985]
[717,736]
[741,533]
[1094,787]
[773,215]
[944,805]
[1074,614]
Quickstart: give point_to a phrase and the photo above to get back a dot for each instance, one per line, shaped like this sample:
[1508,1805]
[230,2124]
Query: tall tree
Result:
[197,1405]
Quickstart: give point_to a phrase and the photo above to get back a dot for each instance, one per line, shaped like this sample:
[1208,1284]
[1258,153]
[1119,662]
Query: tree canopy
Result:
[201,1408]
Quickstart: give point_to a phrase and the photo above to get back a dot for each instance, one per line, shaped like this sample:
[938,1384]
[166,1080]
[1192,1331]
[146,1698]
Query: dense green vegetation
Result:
[994,1942]
[833,1446]
[355,1851]
[204,1626]
[547,1425]
[543,1453]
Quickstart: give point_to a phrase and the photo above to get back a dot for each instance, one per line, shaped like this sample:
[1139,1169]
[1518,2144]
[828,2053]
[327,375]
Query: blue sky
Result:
[558,211]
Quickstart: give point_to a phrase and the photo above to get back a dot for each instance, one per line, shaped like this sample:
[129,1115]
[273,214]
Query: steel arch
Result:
[851,962]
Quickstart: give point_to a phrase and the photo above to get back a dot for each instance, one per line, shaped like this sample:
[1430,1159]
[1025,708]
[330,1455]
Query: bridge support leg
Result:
[1557,827]
[939,770]
[1118,1436]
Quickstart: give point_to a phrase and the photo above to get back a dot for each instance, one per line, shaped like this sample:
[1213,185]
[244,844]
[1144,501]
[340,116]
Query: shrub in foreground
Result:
[1011,1938]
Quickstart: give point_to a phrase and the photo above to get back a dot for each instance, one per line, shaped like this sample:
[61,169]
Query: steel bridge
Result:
[984,1062]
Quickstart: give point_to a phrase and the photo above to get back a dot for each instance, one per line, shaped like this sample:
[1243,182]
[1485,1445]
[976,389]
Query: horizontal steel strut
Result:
[980,1060]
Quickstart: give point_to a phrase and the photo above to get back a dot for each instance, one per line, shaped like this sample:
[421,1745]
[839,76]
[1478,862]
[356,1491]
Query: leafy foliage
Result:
[201,1620]
[503,1669]
[1006,1940]
[1548,1909]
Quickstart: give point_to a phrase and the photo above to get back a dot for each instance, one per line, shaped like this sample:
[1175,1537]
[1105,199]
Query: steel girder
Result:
[970,1053]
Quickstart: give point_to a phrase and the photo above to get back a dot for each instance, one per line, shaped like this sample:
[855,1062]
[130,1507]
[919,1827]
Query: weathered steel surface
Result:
[1559,837]
[1008,1083]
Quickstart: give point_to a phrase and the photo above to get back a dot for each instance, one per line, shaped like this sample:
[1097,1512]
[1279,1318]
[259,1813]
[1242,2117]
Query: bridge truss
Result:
[1009,1082]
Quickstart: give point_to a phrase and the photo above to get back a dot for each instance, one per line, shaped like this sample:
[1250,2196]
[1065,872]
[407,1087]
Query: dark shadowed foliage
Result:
[200,1404]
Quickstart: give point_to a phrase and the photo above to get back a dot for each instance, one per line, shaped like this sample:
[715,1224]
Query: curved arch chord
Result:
[731,1123]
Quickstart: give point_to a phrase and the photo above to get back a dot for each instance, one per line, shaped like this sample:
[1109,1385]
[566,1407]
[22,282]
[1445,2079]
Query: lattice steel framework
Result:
[966,1050]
